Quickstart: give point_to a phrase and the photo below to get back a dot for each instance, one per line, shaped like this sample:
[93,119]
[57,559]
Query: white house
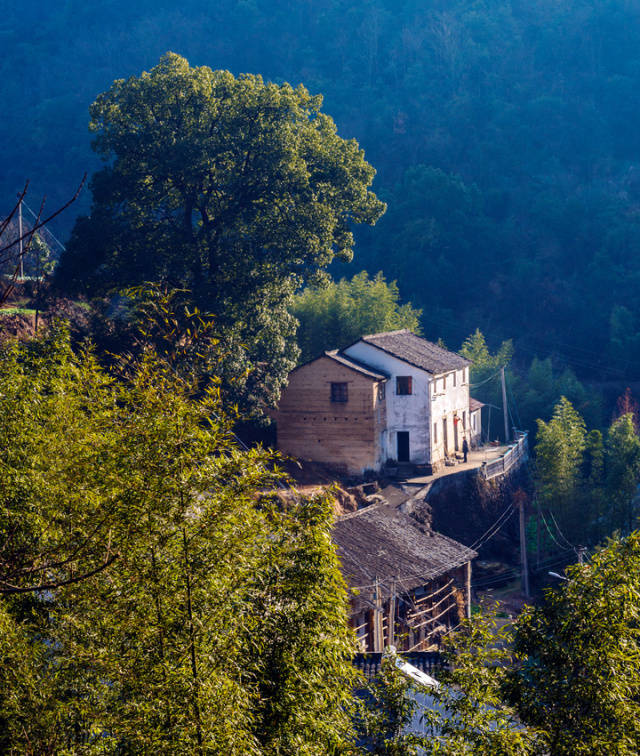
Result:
[427,396]
[388,396]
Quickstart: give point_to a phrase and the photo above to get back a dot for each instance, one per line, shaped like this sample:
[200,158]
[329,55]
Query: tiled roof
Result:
[360,367]
[349,362]
[382,542]
[474,404]
[417,351]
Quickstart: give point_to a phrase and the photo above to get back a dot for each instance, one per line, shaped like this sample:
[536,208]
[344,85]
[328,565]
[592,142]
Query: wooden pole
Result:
[468,588]
[378,640]
[538,526]
[507,435]
[391,635]
[523,553]
[21,248]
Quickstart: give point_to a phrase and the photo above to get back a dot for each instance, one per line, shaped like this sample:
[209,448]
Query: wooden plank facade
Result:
[333,411]
[410,585]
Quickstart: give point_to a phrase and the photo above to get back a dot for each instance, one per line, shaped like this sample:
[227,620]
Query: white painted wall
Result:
[404,413]
[429,402]
[446,404]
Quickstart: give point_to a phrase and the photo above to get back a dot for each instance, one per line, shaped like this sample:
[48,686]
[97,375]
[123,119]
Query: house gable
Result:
[333,411]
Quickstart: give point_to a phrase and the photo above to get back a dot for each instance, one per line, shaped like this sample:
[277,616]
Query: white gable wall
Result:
[404,413]
[430,402]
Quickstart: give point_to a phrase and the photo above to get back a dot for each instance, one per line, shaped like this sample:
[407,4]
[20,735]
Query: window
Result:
[340,392]
[435,433]
[455,373]
[403,385]
[381,391]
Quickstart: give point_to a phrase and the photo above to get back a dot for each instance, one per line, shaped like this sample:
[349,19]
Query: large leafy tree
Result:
[240,190]
[170,605]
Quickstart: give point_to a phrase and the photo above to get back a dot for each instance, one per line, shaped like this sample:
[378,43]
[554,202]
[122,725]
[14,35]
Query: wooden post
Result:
[523,553]
[20,243]
[378,639]
[504,406]
[468,588]
[391,622]
[538,526]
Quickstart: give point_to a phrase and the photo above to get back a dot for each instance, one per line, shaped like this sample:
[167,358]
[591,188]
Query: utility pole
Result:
[20,241]
[378,639]
[504,405]
[392,615]
[538,527]
[523,553]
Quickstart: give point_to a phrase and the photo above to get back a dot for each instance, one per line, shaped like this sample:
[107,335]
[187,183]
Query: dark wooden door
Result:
[403,446]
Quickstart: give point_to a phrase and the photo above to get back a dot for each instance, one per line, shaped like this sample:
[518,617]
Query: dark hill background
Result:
[506,137]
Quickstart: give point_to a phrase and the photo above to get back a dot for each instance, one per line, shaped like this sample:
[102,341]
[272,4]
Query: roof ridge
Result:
[391,333]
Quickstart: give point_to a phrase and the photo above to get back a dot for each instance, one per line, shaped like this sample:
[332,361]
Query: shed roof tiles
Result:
[385,543]
[475,404]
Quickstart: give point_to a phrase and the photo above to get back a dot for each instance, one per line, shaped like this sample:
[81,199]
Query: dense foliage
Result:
[152,599]
[238,189]
[578,677]
[588,482]
[503,132]
[337,314]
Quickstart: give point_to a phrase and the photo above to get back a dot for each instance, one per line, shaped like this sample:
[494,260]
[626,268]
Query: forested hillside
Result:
[504,134]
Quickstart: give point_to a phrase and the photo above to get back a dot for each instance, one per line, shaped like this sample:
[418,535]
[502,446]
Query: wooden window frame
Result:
[339,392]
[400,383]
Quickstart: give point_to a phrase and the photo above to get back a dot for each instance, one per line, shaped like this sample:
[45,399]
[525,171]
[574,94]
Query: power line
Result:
[497,525]
[491,377]
[553,538]
[49,231]
[561,534]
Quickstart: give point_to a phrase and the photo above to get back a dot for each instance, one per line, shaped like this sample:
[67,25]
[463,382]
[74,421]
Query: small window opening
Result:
[403,385]
[340,392]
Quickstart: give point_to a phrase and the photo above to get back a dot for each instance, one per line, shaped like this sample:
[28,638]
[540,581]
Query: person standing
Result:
[465,448]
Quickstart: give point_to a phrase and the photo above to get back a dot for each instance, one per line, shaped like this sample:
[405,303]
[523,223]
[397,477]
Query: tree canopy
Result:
[336,314]
[154,596]
[578,671]
[237,189]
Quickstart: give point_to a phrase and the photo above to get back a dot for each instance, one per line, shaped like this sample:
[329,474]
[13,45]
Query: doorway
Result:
[445,436]
[403,446]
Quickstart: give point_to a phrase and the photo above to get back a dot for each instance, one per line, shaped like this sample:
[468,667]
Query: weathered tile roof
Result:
[359,367]
[382,542]
[417,351]
[475,404]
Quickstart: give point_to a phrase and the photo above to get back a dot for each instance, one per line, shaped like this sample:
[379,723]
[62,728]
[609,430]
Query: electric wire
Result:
[490,378]
[553,538]
[560,533]
[490,532]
